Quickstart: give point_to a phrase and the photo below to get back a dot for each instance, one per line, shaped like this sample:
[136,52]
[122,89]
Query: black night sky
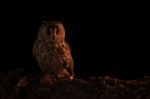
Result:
[105,38]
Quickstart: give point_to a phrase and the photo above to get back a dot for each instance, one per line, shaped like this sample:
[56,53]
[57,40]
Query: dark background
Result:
[106,38]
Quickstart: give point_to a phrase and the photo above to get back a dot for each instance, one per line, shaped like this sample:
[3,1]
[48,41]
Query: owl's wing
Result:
[68,62]
[67,45]
[68,54]
[40,52]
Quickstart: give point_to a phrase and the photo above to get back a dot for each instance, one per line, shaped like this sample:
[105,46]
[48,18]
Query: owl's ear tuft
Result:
[56,21]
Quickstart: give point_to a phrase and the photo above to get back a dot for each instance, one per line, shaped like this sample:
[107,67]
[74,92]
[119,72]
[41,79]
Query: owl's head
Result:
[52,31]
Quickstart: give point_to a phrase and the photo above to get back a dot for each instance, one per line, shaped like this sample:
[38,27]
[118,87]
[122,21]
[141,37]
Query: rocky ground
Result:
[19,85]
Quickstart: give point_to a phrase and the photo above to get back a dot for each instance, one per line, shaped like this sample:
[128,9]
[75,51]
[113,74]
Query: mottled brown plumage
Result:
[52,51]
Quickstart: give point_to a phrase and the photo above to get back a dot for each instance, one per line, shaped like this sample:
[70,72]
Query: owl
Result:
[52,52]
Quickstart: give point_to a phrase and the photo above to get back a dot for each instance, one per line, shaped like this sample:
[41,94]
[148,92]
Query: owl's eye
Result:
[49,31]
[57,29]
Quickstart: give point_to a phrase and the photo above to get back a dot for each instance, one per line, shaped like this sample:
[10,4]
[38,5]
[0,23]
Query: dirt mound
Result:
[20,86]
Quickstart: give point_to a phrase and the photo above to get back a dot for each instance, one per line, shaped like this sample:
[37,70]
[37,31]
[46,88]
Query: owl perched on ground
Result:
[52,52]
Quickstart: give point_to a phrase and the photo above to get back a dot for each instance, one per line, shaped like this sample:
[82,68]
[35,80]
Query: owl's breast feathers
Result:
[52,55]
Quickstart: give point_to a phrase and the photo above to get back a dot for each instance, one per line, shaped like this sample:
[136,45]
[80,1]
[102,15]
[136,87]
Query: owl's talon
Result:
[71,78]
